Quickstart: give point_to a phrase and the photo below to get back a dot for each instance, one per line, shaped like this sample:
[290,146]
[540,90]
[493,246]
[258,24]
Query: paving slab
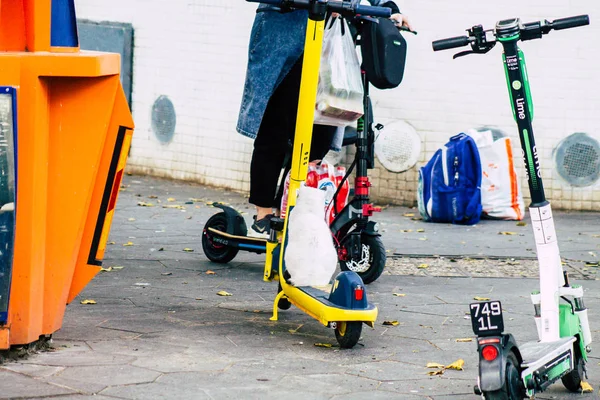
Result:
[160,330]
[13,385]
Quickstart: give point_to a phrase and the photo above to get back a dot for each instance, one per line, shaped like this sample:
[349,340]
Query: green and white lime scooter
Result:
[508,371]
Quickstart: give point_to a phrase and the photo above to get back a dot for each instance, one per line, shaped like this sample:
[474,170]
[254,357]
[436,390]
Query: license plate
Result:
[486,318]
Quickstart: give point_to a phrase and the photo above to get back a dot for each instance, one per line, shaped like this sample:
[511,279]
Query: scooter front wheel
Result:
[572,380]
[369,265]
[348,333]
[217,252]
[512,389]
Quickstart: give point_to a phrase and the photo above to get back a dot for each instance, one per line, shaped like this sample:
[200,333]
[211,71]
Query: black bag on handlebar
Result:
[383,52]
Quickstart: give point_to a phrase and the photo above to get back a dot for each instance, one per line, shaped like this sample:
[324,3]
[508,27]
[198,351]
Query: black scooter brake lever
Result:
[476,50]
[462,54]
[405,29]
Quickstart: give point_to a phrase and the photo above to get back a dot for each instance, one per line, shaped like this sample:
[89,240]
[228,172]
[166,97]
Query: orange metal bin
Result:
[65,133]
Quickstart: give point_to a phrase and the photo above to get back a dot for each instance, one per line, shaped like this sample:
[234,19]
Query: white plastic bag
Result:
[501,196]
[340,91]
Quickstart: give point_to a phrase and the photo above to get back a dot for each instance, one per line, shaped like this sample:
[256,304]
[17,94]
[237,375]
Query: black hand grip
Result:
[450,43]
[383,12]
[570,22]
[272,2]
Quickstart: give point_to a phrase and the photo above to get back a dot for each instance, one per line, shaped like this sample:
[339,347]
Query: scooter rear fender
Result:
[235,222]
[492,374]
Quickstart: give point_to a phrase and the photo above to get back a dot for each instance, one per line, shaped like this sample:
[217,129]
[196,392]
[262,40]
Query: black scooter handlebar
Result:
[339,6]
[570,22]
[450,43]
[383,12]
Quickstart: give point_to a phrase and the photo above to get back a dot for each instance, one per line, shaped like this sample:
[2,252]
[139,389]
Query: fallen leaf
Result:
[586,387]
[128,244]
[434,373]
[197,200]
[131,219]
[224,293]
[190,217]
[88,301]
[592,263]
[477,298]
[117,268]
[292,331]
[595,236]
[198,298]
[457,365]
[406,230]
[142,284]
[399,294]
[328,345]
[423,266]
[144,204]
[171,199]
[416,219]
[188,250]
[409,215]
[591,253]
[507,233]
[161,249]
[209,272]
[111,243]
[176,206]
[392,323]
[167,273]
[521,223]
[434,365]
[422,238]
[465,340]
[106,269]
[420,230]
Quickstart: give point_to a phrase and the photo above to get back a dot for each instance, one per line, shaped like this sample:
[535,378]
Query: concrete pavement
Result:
[159,330]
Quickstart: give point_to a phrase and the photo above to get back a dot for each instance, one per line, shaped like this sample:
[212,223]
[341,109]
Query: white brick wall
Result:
[194,52]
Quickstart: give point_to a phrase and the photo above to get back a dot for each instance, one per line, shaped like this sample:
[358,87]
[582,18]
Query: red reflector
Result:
[487,341]
[489,353]
[359,293]
[115,191]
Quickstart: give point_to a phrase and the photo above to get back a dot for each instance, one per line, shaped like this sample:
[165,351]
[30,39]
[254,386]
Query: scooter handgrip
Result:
[450,43]
[383,12]
[570,22]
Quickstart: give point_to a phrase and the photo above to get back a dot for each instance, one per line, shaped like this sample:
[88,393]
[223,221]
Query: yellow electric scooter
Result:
[343,304]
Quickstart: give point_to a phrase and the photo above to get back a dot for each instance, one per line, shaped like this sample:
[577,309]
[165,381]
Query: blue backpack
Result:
[450,183]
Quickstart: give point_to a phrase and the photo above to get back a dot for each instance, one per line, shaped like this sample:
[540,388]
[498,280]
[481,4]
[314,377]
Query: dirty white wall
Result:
[194,52]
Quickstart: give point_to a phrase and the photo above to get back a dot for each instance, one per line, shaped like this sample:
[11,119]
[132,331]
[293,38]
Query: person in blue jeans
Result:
[270,102]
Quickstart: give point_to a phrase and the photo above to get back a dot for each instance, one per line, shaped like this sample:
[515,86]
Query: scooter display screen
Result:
[7,196]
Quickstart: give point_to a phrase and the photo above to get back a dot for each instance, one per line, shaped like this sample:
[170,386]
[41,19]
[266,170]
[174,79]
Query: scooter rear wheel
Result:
[217,252]
[371,262]
[348,333]
[512,388]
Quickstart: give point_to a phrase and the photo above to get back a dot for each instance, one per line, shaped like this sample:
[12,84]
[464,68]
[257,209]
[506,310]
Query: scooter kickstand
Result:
[275,306]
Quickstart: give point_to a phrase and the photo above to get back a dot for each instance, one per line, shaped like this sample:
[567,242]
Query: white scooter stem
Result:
[551,271]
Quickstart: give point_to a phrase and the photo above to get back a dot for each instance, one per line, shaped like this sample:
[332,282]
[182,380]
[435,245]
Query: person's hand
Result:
[335,15]
[401,20]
